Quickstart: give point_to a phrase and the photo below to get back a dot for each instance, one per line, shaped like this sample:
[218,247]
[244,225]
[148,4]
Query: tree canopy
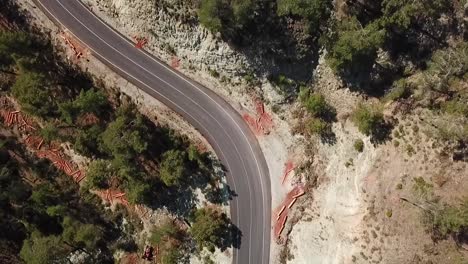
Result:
[354,48]
[31,90]
[40,249]
[210,228]
[173,167]
[125,137]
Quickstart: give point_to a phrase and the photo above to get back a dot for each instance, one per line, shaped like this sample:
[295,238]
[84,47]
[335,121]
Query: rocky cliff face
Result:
[175,35]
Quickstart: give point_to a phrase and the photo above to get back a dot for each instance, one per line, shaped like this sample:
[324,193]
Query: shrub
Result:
[400,90]
[451,219]
[316,105]
[318,126]
[210,14]
[166,230]
[359,145]
[168,237]
[421,187]
[456,107]
[389,213]
[368,119]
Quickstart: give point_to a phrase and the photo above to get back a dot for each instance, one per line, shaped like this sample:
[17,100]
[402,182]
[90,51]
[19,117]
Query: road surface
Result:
[218,122]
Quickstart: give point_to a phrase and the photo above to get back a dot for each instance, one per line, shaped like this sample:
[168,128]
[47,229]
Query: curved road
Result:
[233,141]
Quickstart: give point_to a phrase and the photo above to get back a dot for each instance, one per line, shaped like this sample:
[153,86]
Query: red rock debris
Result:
[288,167]
[261,123]
[175,62]
[281,215]
[113,196]
[140,42]
[78,49]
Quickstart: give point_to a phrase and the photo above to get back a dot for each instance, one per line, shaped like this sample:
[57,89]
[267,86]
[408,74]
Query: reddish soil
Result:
[261,123]
[175,62]
[280,215]
[288,167]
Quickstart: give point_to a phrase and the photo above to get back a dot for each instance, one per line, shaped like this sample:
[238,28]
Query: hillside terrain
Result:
[360,105]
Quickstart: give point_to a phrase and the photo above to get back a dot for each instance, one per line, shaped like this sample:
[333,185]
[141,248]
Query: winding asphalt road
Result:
[223,127]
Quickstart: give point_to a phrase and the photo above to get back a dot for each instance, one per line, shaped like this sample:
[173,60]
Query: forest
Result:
[49,218]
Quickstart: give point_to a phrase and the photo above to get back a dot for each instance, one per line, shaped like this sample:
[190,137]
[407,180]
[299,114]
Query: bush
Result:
[451,219]
[359,145]
[447,65]
[368,119]
[456,107]
[400,90]
[168,237]
[210,14]
[421,187]
[165,231]
[316,105]
[318,126]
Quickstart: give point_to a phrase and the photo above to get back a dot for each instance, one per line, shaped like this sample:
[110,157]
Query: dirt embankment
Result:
[360,211]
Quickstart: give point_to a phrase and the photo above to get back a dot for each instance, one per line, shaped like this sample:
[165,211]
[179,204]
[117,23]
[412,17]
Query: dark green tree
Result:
[42,249]
[49,132]
[354,48]
[315,11]
[14,45]
[137,191]
[31,90]
[210,228]
[80,235]
[173,167]
[210,14]
[125,137]
[91,101]
[401,15]
[98,174]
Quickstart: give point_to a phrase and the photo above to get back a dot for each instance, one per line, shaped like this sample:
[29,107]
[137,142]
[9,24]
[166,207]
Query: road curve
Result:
[231,138]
